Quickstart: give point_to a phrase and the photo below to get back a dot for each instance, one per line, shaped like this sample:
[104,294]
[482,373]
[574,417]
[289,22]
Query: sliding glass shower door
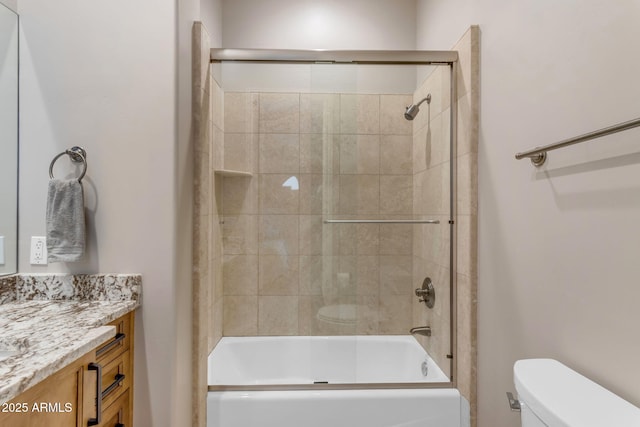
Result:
[346,211]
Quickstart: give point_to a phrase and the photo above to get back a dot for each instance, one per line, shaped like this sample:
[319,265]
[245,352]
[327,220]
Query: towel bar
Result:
[538,155]
[77,155]
[381,221]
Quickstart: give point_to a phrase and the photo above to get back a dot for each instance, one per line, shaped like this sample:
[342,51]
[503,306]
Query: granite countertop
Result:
[50,328]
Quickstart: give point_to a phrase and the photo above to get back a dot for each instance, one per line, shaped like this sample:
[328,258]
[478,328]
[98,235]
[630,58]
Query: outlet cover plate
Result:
[38,250]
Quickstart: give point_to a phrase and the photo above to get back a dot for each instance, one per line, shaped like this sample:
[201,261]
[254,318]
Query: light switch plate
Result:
[38,250]
[2,261]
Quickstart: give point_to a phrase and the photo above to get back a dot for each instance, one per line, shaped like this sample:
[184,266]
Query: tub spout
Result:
[421,330]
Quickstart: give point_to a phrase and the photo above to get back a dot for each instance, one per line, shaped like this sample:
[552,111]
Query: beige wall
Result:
[128,103]
[558,245]
[325,24]
[82,85]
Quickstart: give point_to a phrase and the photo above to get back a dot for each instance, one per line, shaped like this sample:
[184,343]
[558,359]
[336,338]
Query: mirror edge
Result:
[15,268]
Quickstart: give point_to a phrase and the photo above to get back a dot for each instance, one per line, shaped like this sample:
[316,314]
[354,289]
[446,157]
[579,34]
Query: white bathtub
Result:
[308,360]
[260,361]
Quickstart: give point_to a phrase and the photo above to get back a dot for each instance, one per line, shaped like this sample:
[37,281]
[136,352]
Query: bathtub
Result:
[307,380]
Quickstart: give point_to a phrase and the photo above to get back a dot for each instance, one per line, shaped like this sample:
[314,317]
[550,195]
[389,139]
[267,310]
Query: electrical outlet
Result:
[38,250]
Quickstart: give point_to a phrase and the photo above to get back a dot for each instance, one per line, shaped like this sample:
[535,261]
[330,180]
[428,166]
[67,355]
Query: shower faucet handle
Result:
[426,294]
[421,292]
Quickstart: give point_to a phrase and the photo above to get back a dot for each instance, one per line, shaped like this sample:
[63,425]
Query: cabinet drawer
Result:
[116,377]
[120,343]
[117,414]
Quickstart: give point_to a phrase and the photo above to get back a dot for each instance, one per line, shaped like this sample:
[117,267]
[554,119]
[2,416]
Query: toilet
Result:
[553,395]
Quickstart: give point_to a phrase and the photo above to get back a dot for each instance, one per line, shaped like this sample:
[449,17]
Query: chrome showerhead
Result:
[412,110]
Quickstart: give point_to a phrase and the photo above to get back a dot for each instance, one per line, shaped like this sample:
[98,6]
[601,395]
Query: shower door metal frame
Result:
[371,57]
[379,57]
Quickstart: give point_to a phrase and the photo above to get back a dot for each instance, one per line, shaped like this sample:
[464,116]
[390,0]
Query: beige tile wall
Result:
[431,197]
[208,146]
[467,213]
[431,189]
[337,155]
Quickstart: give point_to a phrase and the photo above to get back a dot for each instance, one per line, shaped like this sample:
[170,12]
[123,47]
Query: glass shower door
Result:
[347,212]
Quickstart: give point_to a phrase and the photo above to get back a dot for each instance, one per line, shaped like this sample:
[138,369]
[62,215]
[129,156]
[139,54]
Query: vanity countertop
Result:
[49,334]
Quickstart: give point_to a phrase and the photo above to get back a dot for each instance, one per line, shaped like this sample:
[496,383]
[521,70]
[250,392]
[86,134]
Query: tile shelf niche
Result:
[232,173]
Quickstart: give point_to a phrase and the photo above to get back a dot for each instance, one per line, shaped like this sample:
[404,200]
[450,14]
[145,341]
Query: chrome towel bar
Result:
[538,155]
[77,154]
[381,221]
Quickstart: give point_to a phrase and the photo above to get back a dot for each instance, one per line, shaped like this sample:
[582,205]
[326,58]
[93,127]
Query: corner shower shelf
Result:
[232,173]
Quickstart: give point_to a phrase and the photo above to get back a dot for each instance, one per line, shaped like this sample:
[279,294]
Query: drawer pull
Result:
[118,339]
[98,419]
[119,425]
[116,382]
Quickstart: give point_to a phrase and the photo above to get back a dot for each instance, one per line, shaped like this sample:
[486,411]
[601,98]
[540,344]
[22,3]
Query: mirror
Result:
[8,141]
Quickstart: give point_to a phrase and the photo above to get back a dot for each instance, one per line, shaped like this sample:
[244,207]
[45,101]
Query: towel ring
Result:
[77,154]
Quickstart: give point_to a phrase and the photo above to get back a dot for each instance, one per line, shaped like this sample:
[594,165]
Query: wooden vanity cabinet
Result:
[117,412]
[61,400]
[68,397]
[116,358]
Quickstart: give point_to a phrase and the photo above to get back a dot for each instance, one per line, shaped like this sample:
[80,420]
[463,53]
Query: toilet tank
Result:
[553,395]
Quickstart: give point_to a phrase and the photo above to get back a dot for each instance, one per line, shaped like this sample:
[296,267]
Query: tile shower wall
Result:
[468,79]
[431,189]
[431,197]
[208,143]
[316,156]
[208,157]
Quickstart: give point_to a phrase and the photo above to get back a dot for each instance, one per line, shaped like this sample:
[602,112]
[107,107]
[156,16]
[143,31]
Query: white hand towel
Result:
[65,221]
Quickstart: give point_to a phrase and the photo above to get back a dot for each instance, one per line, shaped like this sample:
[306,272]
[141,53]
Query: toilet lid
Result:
[560,396]
[338,313]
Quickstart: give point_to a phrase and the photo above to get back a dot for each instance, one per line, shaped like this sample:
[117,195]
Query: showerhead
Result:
[412,110]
